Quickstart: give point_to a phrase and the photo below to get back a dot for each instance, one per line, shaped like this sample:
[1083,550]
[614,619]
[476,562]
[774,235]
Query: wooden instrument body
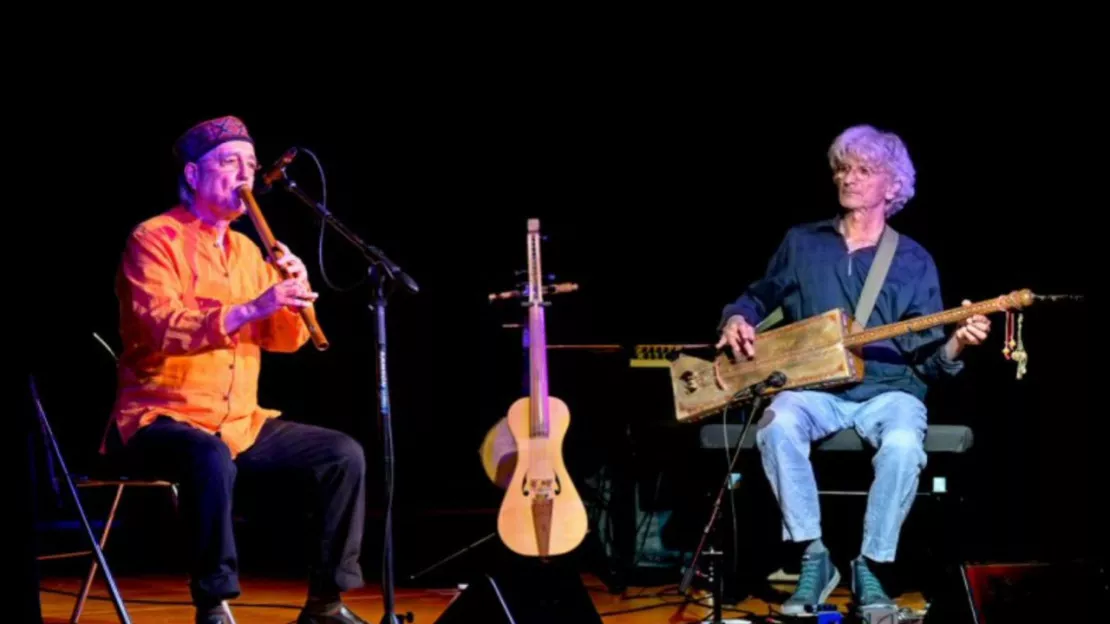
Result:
[812,353]
[818,352]
[542,513]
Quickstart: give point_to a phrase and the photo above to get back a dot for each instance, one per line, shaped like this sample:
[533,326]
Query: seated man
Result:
[824,265]
[198,304]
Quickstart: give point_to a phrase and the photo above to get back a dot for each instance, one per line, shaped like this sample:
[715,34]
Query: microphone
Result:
[776,379]
[277,170]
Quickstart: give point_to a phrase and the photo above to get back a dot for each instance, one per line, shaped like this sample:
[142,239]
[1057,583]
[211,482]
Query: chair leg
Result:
[48,433]
[84,593]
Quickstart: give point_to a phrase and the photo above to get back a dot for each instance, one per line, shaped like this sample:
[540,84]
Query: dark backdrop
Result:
[662,204]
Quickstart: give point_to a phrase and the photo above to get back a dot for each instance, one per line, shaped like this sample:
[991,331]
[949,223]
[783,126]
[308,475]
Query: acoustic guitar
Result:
[541,513]
[822,351]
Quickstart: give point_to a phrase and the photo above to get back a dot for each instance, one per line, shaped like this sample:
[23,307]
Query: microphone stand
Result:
[382,271]
[754,392]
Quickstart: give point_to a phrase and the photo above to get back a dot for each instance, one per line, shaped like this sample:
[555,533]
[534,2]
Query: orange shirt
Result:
[176,286]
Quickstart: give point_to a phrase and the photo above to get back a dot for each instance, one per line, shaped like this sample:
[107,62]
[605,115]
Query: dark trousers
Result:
[326,469]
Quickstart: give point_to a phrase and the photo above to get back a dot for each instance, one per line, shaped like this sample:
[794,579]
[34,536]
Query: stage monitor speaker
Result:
[1020,593]
[522,599]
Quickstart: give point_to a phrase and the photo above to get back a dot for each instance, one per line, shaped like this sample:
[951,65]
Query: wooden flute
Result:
[275,254]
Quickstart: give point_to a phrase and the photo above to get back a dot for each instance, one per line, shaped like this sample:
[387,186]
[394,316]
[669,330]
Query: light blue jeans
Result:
[892,422]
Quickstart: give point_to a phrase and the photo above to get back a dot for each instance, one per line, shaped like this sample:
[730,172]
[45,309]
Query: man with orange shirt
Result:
[198,305]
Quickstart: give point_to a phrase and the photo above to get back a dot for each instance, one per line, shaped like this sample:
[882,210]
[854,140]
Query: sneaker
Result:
[817,580]
[866,589]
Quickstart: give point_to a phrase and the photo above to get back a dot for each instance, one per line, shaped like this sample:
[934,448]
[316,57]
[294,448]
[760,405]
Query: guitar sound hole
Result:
[689,381]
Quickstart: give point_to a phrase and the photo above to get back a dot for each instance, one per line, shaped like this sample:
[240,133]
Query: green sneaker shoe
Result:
[867,590]
[817,580]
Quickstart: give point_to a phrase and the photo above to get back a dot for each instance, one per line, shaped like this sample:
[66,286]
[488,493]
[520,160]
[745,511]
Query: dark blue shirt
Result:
[812,272]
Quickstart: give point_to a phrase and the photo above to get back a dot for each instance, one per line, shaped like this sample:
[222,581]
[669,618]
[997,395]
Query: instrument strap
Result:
[888,242]
[770,320]
[877,275]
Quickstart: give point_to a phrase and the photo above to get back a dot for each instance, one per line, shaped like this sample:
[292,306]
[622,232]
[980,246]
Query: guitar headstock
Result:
[533,291]
[535,265]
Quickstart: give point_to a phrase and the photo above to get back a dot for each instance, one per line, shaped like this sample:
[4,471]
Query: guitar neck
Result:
[1015,300]
[537,335]
[537,364]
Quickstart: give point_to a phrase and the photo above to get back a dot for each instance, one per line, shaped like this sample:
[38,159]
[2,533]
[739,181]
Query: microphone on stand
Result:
[776,379]
[277,170]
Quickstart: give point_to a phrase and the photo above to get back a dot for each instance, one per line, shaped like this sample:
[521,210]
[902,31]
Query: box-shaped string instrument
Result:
[822,351]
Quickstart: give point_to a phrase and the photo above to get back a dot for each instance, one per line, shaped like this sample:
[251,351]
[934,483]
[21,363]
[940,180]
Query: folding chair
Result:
[106,475]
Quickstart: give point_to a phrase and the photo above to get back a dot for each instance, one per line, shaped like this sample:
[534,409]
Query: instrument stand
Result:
[383,273]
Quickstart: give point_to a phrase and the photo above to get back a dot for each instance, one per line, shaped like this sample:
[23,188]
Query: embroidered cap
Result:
[201,138]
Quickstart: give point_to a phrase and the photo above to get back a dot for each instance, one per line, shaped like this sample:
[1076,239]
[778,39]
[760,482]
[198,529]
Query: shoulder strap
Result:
[876,276]
[770,320]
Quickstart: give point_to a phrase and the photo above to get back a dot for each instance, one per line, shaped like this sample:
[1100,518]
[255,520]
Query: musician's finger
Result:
[734,344]
[966,302]
[749,348]
[747,332]
[974,336]
[301,300]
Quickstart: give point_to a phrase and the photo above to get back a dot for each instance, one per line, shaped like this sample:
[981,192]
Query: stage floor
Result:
[166,599]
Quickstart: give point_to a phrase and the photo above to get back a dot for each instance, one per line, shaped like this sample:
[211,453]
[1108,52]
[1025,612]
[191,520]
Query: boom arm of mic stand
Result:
[371,252]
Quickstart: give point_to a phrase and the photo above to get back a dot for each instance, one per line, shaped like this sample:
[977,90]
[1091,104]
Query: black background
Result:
[1010,180]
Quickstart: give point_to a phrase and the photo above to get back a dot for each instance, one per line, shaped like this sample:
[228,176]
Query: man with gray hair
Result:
[824,265]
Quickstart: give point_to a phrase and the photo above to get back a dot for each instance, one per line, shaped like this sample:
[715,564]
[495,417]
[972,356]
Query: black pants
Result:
[326,469]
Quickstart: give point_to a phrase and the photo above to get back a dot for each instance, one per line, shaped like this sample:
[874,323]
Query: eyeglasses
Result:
[233,162]
[862,170]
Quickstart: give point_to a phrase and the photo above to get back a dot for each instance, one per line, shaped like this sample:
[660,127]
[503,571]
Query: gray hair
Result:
[884,149]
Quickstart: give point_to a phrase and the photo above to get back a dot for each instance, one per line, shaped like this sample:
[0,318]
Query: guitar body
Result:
[542,513]
[812,353]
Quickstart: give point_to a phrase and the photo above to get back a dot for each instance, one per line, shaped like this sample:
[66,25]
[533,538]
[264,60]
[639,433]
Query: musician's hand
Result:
[292,264]
[289,293]
[292,293]
[973,330]
[739,336]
